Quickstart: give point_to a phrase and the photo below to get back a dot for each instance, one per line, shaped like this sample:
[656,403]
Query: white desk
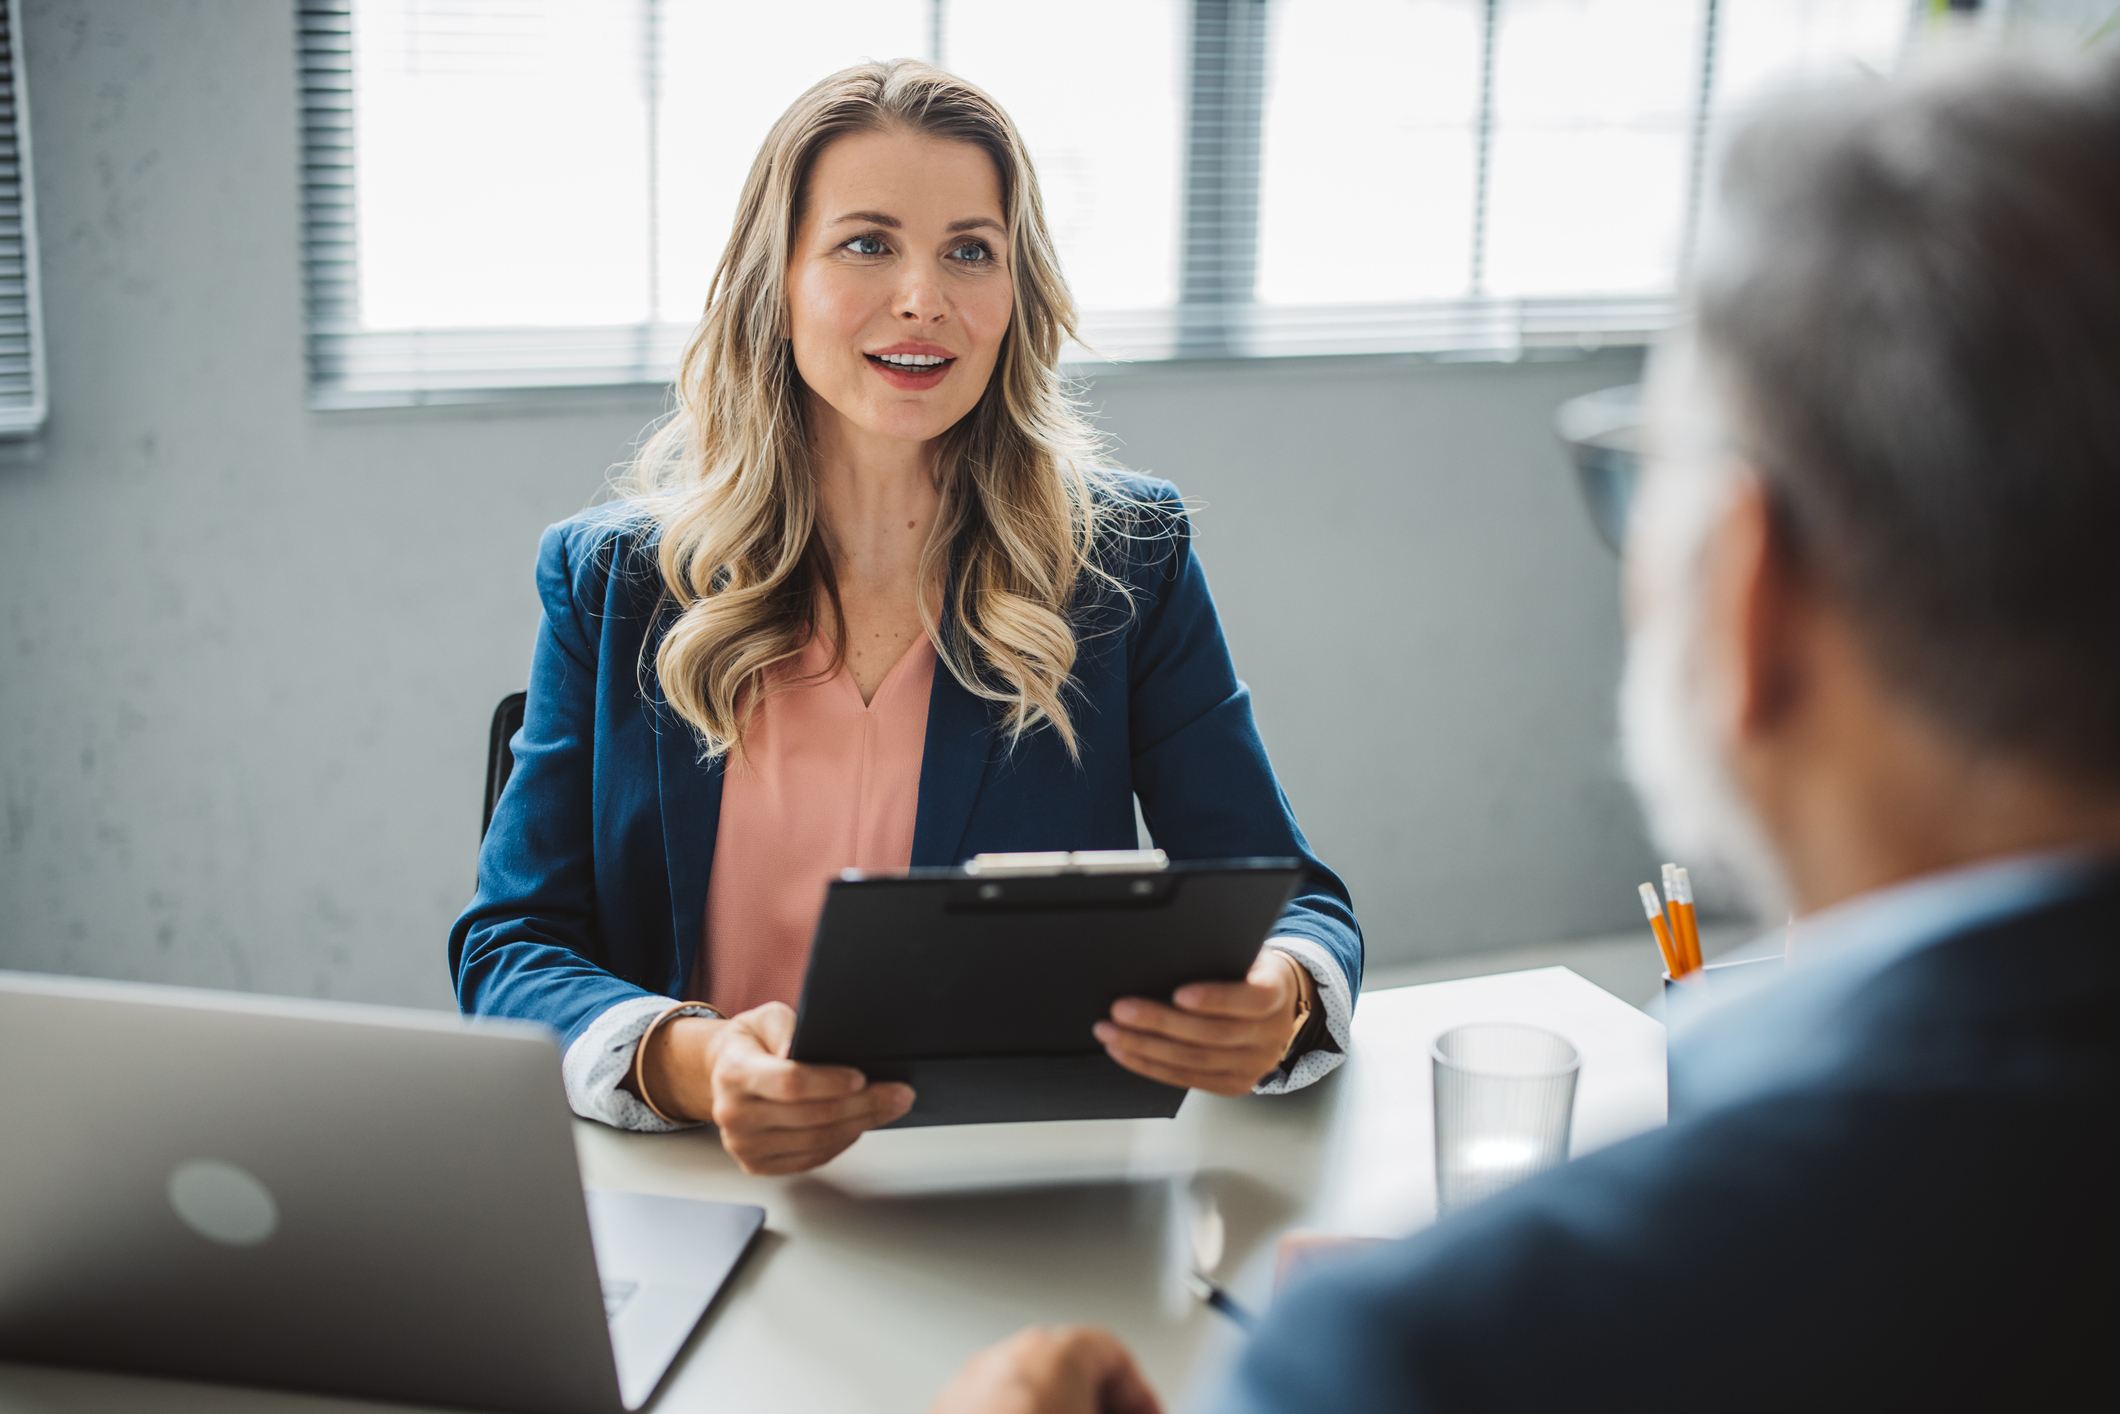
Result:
[880,1273]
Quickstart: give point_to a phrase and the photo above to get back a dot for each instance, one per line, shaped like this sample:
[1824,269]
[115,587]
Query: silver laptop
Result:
[351,1200]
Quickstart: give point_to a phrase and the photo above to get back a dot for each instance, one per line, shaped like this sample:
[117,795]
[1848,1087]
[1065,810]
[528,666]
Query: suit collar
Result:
[960,745]
[690,792]
[953,764]
[1849,960]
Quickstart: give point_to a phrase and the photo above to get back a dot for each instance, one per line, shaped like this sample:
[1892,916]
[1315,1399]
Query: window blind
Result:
[511,196]
[22,397]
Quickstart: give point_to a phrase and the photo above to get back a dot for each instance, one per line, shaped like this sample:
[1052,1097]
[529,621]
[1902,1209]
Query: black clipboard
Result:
[978,986]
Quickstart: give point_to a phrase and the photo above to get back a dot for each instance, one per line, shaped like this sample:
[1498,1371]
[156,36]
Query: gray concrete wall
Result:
[2067,20]
[249,650]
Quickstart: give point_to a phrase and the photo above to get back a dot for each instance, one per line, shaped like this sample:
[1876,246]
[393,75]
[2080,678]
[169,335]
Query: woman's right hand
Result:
[775,1115]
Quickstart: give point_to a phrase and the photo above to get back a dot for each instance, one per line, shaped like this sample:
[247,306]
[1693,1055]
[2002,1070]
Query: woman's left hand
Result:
[1221,1037]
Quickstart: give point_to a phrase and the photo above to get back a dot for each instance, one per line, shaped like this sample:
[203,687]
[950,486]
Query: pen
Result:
[1219,1300]
[1664,943]
[1206,1233]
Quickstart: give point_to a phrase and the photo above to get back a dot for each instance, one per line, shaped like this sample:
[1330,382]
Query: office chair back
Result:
[507,720]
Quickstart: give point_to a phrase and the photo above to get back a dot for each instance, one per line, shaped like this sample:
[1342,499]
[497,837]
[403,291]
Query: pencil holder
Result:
[1719,981]
[1718,978]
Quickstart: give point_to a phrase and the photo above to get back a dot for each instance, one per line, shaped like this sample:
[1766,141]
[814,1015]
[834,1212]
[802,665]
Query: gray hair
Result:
[1910,290]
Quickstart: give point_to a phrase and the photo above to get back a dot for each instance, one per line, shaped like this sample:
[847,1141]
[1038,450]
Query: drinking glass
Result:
[1504,1103]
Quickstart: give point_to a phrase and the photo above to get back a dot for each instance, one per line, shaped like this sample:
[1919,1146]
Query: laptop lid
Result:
[351,1200]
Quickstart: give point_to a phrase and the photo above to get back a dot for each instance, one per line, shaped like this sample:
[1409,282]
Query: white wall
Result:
[249,649]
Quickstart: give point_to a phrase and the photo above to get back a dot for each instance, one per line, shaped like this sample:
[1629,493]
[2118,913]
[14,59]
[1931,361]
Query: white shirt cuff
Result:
[602,1056]
[1337,999]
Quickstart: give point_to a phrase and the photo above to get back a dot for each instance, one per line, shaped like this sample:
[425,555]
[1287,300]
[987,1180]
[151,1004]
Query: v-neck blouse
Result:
[824,783]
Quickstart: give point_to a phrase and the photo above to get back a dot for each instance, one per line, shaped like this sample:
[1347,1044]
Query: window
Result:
[22,404]
[1102,121]
[526,194]
[1526,172]
[1592,107]
[1387,219]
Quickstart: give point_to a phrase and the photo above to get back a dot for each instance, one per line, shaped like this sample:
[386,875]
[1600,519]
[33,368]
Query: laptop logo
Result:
[223,1203]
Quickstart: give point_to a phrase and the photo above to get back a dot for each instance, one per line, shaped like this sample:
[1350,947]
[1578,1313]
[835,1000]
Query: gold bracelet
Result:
[1306,1003]
[640,1050]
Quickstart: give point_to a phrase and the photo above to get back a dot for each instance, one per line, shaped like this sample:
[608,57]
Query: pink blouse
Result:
[825,782]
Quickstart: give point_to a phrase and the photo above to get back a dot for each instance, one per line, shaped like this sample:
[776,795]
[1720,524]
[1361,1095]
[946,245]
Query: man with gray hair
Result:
[1872,669]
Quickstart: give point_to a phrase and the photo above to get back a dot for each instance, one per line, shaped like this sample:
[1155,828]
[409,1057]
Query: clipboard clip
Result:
[1045,863]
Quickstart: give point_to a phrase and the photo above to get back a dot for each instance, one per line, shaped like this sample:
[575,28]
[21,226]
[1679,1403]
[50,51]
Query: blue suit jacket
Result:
[1916,1211]
[592,882]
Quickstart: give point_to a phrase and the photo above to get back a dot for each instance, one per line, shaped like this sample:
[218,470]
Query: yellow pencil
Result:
[1664,942]
[1683,918]
[1678,924]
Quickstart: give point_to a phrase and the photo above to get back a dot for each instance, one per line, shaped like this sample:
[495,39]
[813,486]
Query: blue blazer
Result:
[1915,1210]
[592,883]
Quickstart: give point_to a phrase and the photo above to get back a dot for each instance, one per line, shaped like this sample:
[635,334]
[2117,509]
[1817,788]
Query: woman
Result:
[870,603]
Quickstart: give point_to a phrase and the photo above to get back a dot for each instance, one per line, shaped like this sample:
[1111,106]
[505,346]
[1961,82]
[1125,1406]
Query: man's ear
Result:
[1754,612]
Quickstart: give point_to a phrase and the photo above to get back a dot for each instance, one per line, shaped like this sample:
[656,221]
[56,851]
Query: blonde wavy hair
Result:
[1027,503]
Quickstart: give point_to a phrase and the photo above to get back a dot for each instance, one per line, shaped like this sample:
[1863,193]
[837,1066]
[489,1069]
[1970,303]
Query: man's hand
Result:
[1043,1370]
[775,1115]
[1222,1037]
